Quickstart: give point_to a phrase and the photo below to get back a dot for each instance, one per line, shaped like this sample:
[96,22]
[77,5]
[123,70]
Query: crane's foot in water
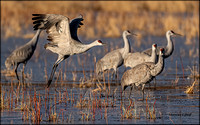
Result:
[154,87]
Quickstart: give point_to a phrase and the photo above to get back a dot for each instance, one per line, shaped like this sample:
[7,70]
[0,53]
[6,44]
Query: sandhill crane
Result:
[142,73]
[115,58]
[22,55]
[63,37]
[168,49]
[133,59]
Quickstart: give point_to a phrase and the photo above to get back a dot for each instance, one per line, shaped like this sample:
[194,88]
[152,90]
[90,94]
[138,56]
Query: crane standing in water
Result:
[168,49]
[142,74]
[22,55]
[133,59]
[115,58]
[63,37]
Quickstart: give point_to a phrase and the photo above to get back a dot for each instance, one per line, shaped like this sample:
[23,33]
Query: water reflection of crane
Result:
[63,37]
[22,55]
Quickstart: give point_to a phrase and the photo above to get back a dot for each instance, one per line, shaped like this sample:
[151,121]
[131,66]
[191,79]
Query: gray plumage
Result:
[115,58]
[22,54]
[142,73]
[168,49]
[133,59]
[63,36]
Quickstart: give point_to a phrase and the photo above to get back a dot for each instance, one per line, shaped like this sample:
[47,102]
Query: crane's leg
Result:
[59,60]
[154,83]
[130,91]
[143,91]
[16,73]
[101,76]
[123,98]
[23,75]
[114,74]
[52,74]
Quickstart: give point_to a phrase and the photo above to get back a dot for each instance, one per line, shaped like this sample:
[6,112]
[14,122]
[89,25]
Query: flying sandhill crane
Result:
[168,49]
[142,73]
[63,36]
[22,55]
[133,59]
[115,58]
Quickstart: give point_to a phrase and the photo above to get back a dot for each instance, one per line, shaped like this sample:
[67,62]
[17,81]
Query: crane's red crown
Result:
[99,41]
[161,49]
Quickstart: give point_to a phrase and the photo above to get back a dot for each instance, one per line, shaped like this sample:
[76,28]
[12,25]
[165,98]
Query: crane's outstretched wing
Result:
[57,26]
[74,25]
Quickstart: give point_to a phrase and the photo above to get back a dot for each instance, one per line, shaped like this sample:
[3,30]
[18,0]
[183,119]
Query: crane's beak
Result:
[177,34]
[103,44]
[134,34]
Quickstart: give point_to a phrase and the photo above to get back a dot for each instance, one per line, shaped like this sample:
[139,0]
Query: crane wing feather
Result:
[137,75]
[57,26]
[74,25]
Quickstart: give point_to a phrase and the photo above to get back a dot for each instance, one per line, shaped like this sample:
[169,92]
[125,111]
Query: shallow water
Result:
[172,104]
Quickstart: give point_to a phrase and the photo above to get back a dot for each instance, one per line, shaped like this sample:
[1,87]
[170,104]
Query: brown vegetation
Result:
[107,18]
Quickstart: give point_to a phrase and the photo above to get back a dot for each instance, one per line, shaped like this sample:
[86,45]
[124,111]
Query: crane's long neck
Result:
[126,46]
[154,55]
[86,47]
[158,67]
[35,38]
[170,47]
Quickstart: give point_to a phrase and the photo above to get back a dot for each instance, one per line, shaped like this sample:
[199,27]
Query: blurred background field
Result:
[177,86]
[106,18]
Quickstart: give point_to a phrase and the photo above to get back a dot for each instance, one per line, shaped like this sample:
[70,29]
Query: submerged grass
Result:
[190,89]
[91,104]
[36,107]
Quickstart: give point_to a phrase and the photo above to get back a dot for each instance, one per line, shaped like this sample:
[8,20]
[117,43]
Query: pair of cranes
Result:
[63,38]
[64,41]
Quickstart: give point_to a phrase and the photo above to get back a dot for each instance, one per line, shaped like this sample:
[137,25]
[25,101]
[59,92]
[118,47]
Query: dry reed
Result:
[149,17]
[190,89]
